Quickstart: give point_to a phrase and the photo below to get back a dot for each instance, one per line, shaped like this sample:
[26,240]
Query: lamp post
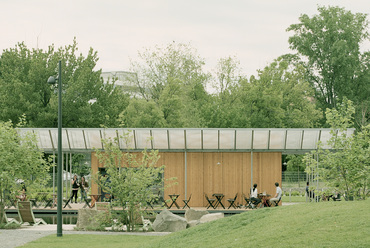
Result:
[52,80]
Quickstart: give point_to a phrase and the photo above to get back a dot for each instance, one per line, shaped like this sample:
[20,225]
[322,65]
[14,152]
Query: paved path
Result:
[17,237]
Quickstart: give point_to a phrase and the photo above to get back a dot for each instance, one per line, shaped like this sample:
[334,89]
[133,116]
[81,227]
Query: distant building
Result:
[123,79]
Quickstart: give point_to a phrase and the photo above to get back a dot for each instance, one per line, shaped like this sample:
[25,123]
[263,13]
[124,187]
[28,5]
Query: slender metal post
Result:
[60,156]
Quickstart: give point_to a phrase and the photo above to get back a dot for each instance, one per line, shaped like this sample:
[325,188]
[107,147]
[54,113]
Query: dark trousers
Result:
[74,194]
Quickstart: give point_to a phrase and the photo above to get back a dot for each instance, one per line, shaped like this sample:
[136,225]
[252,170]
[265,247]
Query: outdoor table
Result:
[219,198]
[264,199]
[174,197]
[94,198]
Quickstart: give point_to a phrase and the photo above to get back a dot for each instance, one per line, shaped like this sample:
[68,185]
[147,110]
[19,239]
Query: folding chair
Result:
[210,202]
[186,202]
[248,203]
[232,201]
[276,203]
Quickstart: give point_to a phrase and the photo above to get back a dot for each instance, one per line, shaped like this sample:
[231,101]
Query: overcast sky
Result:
[253,31]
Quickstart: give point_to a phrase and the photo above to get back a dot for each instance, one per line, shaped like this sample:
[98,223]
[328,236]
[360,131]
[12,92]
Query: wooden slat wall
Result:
[175,167]
[195,174]
[227,173]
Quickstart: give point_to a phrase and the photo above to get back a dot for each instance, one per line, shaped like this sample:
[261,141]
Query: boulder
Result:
[192,223]
[90,218]
[192,214]
[211,217]
[169,222]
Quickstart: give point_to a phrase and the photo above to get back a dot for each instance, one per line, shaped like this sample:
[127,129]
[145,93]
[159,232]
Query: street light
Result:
[52,80]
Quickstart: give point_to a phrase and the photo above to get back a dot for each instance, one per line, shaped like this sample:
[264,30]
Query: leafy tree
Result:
[222,109]
[347,167]
[330,44]
[173,79]
[130,179]
[142,113]
[87,100]
[20,159]
[280,97]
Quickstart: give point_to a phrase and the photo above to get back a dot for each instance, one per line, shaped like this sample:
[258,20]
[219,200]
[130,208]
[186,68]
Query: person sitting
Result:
[23,193]
[254,196]
[277,196]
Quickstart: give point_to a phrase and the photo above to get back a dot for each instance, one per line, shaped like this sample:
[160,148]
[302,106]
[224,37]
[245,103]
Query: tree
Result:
[222,109]
[20,160]
[279,97]
[173,79]
[347,167]
[130,178]
[87,100]
[141,113]
[330,43]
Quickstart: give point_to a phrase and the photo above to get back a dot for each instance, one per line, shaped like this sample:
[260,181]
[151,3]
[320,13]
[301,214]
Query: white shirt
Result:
[279,192]
[254,193]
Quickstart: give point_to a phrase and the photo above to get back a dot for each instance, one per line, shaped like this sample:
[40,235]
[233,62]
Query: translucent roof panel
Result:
[243,139]
[294,139]
[210,139]
[160,139]
[126,139]
[260,139]
[277,139]
[324,138]
[176,139]
[93,139]
[310,138]
[143,139]
[76,139]
[191,139]
[227,139]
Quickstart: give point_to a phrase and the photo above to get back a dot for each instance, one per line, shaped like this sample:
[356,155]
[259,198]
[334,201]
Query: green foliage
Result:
[330,44]
[172,78]
[280,97]
[347,167]
[20,159]
[133,180]
[87,101]
[295,163]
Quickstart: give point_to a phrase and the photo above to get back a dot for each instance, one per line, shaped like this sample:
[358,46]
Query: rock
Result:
[90,218]
[169,222]
[192,214]
[192,223]
[211,217]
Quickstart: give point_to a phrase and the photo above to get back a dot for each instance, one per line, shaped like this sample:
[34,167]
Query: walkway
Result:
[17,237]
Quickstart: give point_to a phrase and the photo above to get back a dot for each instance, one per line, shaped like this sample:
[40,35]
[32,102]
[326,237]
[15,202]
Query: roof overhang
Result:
[186,139]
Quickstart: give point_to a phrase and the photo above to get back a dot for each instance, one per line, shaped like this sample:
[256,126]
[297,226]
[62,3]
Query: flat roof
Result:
[285,140]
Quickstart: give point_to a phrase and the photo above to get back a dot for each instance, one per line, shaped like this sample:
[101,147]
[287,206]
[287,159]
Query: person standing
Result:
[83,188]
[278,194]
[75,186]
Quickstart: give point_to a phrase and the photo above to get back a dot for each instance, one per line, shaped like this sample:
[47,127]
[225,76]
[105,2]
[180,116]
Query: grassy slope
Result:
[326,224]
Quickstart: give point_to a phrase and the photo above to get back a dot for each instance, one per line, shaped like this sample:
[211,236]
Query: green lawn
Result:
[324,224]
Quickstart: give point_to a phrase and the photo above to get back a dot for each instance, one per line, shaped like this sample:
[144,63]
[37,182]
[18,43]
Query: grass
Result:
[293,199]
[324,224]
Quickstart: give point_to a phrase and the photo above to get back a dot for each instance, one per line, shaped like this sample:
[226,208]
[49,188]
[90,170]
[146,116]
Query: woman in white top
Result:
[254,196]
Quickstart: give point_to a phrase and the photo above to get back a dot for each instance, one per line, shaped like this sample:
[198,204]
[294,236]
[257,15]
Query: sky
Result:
[252,31]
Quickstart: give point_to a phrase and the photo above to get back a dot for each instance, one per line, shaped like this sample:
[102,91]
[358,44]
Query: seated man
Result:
[277,196]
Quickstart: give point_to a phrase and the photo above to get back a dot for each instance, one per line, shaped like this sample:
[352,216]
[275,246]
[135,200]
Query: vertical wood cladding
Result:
[216,172]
